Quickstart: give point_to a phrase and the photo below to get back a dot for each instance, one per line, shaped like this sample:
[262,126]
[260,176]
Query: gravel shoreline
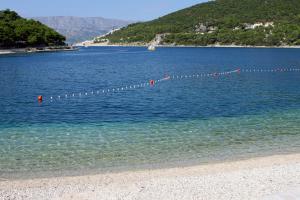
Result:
[184,46]
[256,178]
[35,50]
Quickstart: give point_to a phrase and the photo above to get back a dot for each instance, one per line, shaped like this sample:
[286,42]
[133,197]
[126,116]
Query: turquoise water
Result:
[179,122]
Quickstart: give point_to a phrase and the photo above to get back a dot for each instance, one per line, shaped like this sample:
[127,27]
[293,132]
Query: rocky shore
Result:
[36,50]
[158,41]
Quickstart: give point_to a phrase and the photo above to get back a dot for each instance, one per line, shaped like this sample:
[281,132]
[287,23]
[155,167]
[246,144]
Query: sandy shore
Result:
[257,178]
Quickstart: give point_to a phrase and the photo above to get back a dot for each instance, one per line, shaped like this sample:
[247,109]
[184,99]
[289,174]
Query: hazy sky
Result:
[120,9]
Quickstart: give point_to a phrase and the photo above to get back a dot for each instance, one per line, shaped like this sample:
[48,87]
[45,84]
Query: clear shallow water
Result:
[173,123]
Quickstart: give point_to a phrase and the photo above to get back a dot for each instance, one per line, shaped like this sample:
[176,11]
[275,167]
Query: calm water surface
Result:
[177,122]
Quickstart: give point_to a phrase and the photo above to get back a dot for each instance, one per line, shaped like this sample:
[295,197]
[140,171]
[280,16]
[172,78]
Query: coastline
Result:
[35,50]
[183,46]
[254,178]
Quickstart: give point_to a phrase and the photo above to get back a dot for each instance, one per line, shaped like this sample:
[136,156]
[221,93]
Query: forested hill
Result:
[16,31]
[224,22]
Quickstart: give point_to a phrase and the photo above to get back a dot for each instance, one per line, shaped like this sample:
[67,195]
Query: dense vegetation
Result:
[16,31]
[222,22]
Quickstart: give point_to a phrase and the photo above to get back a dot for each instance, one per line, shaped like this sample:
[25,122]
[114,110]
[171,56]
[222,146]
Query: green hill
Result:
[16,31]
[224,22]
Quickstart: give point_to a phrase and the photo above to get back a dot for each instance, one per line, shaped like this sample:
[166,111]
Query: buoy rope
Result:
[151,83]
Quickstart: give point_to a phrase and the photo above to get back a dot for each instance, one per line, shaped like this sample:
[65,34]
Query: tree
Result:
[18,32]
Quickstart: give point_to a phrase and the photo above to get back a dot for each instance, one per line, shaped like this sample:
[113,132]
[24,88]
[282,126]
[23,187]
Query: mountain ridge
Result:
[77,29]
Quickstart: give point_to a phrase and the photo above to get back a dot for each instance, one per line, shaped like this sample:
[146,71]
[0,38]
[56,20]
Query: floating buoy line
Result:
[152,83]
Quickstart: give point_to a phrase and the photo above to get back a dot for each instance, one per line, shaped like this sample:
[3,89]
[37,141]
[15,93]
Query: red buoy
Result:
[152,82]
[40,98]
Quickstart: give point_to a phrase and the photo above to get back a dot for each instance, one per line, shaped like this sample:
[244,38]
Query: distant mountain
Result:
[77,29]
[220,22]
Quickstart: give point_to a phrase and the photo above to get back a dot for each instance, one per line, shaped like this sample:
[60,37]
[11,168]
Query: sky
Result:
[137,10]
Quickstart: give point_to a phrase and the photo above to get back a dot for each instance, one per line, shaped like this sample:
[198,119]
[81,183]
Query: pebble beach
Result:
[274,177]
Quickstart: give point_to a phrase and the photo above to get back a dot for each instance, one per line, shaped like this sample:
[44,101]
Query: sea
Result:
[101,112]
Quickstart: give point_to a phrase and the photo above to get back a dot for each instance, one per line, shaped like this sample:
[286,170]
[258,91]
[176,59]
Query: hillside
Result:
[224,22]
[77,29]
[16,31]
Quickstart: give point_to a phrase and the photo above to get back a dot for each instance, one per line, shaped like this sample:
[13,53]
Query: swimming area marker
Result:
[152,82]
